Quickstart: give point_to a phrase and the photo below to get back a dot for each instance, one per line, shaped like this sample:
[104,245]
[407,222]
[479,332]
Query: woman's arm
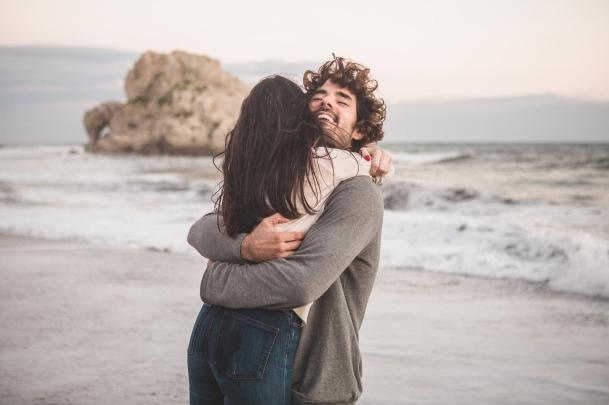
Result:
[381,161]
[373,161]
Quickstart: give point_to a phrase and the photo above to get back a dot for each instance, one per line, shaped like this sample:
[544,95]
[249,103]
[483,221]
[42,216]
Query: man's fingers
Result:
[283,237]
[291,247]
[276,219]
[291,243]
[292,236]
[283,255]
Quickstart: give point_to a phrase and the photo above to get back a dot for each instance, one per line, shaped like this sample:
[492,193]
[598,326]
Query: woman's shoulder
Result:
[335,153]
[341,163]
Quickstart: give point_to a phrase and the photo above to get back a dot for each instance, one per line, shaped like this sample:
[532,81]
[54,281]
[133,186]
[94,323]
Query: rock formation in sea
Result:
[177,103]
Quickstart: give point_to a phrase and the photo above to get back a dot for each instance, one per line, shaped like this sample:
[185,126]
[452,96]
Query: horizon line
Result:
[424,99]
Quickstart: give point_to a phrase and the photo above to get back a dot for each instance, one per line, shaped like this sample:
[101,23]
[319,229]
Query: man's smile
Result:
[327,116]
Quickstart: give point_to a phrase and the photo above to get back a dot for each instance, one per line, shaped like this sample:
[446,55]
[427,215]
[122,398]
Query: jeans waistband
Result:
[291,319]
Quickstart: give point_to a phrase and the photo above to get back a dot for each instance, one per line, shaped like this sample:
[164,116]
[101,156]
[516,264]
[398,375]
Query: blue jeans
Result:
[242,357]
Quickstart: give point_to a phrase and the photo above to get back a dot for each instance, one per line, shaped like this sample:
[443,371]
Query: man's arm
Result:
[351,219]
[208,236]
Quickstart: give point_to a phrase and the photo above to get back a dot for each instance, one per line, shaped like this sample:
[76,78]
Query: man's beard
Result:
[335,136]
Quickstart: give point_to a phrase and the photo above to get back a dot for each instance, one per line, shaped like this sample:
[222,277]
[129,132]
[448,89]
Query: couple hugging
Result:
[293,244]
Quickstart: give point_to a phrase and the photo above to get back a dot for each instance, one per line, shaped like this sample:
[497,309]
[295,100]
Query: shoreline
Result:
[540,286]
[86,324]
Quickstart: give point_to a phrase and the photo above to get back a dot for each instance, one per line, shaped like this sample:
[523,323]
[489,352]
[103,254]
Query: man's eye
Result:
[342,103]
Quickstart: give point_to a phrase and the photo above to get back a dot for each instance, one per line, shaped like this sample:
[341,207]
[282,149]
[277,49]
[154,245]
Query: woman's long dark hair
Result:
[268,156]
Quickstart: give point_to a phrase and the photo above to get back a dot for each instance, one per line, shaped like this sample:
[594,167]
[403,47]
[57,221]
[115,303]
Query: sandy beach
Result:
[84,324]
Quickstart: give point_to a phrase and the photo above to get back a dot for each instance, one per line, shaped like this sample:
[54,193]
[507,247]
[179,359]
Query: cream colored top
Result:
[331,168]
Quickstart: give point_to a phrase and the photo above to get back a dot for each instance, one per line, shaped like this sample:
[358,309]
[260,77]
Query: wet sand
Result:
[84,324]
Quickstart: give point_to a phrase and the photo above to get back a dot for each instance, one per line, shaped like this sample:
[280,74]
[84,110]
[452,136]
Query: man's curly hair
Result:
[371,111]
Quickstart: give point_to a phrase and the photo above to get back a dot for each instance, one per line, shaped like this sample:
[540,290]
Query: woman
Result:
[277,160]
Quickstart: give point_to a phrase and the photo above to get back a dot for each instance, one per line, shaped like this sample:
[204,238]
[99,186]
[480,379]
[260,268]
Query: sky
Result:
[432,49]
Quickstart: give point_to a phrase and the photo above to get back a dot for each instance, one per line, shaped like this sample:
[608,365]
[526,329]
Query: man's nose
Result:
[326,103]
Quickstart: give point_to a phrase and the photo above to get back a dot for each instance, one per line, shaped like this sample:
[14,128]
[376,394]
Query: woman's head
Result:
[267,156]
[270,113]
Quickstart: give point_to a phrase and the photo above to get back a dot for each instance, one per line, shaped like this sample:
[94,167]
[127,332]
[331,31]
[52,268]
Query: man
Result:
[336,264]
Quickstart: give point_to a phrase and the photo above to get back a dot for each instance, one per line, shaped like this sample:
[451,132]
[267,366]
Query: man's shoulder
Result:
[359,183]
[360,192]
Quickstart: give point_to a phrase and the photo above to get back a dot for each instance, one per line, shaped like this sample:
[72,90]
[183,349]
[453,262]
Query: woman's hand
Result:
[263,243]
[380,160]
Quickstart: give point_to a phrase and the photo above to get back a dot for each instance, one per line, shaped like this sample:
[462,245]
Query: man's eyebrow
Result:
[320,91]
[344,95]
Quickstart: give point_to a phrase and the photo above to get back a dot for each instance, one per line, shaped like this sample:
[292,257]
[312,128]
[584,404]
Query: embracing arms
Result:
[351,220]
[207,236]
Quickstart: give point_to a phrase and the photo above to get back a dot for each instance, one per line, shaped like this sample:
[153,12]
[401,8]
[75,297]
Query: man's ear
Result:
[356,135]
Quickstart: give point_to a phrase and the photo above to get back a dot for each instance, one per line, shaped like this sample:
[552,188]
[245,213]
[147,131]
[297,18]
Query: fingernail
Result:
[367,157]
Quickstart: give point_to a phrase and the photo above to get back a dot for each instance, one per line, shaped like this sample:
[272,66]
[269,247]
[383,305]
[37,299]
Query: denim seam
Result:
[208,331]
[289,336]
[196,332]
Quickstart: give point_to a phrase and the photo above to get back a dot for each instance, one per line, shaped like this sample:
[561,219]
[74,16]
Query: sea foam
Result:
[490,211]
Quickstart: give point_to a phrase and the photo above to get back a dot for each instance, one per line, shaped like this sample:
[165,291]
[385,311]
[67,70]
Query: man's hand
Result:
[266,244]
[380,160]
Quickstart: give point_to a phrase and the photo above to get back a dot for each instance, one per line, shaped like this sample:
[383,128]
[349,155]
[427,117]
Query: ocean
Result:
[536,213]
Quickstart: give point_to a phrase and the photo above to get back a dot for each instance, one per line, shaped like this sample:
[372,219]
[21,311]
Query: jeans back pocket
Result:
[244,346]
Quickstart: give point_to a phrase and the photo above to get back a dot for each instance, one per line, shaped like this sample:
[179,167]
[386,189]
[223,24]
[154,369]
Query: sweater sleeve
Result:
[209,238]
[351,219]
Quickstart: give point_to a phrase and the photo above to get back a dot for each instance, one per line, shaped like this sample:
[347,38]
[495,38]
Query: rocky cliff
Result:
[178,103]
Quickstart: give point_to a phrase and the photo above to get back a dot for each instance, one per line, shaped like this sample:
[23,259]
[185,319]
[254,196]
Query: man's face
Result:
[336,109]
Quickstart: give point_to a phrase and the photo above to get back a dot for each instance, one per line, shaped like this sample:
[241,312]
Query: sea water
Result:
[533,212]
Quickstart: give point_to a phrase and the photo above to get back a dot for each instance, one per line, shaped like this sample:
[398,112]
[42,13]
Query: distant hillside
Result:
[44,92]
[534,118]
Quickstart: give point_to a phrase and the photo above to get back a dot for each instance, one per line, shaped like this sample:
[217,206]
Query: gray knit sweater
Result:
[335,268]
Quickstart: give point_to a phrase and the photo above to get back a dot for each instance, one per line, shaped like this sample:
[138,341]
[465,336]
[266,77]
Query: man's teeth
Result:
[327,118]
